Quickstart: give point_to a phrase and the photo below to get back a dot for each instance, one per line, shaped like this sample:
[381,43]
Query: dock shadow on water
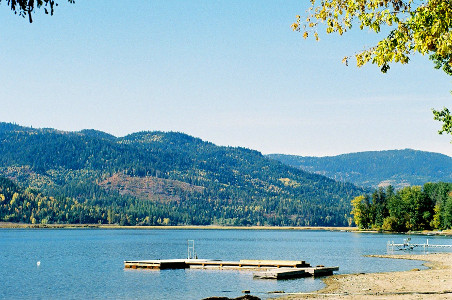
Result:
[94,259]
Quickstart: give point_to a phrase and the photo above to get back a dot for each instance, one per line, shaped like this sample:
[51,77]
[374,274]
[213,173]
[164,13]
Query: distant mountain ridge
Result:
[166,178]
[377,168]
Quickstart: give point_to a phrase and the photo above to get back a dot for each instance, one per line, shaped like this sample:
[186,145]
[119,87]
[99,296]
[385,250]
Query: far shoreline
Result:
[200,227]
[10,225]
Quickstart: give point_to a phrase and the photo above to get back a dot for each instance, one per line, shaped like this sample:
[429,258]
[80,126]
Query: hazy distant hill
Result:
[166,178]
[377,168]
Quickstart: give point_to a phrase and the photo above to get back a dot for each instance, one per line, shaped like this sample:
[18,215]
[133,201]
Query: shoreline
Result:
[10,225]
[201,227]
[432,283]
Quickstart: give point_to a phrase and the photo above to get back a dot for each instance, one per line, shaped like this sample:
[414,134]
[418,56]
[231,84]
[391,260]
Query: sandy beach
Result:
[433,283]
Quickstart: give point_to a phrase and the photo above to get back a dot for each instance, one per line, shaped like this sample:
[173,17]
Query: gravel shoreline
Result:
[433,283]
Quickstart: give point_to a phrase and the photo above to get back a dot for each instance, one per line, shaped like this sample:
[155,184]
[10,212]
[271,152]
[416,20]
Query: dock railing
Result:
[191,254]
[407,245]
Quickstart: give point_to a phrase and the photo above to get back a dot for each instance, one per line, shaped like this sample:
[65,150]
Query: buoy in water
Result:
[38,263]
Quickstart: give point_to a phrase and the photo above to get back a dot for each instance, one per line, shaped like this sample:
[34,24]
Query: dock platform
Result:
[156,264]
[265,269]
[211,263]
[287,273]
[248,264]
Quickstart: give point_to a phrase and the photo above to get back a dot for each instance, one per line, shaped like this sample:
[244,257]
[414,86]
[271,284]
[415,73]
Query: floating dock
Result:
[246,264]
[266,269]
[156,264]
[287,273]
[212,264]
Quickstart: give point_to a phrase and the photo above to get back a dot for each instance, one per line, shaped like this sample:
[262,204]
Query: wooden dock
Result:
[211,263]
[246,264]
[283,273]
[156,264]
[266,269]
[287,273]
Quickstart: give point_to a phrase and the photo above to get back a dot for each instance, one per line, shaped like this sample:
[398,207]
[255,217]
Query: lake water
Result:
[89,263]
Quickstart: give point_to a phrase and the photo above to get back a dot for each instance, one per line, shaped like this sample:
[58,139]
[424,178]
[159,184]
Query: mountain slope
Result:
[149,177]
[377,168]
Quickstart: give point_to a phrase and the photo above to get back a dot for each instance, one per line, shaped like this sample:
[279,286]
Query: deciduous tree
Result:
[361,211]
[414,27]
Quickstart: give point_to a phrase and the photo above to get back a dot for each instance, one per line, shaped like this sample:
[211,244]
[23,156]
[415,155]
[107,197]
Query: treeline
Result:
[412,208]
[240,186]
[34,207]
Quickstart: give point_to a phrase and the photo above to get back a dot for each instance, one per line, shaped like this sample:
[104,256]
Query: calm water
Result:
[88,263]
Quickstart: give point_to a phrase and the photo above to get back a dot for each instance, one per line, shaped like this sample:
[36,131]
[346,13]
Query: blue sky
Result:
[231,72]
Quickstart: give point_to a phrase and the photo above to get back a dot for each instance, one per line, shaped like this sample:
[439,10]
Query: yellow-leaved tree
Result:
[360,211]
[415,27]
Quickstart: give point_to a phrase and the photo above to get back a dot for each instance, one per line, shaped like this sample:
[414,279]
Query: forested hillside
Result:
[398,168]
[153,178]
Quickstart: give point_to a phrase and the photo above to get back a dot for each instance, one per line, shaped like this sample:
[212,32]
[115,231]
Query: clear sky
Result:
[231,72]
